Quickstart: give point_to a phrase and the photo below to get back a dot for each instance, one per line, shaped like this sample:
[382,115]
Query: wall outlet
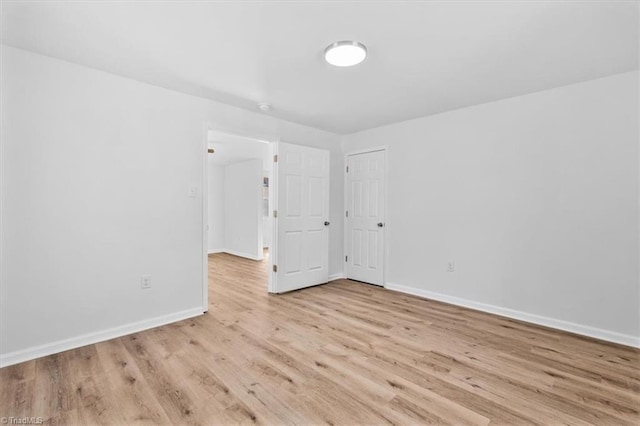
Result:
[145,281]
[450,266]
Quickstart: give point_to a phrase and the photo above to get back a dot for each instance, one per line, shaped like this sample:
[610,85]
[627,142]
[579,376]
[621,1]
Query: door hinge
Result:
[347,169]
[275,213]
[275,158]
[275,268]
[346,213]
[346,258]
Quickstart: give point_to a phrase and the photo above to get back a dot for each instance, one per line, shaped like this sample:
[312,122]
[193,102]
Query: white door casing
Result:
[365,216]
[301,254]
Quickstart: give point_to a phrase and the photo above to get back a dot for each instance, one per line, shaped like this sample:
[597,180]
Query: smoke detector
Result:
[264,107]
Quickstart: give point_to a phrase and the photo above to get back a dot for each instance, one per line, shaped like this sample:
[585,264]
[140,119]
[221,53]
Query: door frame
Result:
[206,126]
[385,179]
[273,203]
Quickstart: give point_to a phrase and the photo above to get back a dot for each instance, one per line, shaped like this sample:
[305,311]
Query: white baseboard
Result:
[213,251]
[610,336]
[245,255]
[338,276]
[90,338]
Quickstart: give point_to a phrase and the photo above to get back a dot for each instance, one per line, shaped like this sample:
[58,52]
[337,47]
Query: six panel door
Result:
[365,217]
[303,217]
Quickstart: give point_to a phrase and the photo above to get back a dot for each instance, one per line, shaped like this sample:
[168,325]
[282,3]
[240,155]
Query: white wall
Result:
[95,178]
[95,174]
[215,198]
[243,209]
[535,198]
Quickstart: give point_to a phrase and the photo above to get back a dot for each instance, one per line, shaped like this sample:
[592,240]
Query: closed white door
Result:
[365,215]
[302,220]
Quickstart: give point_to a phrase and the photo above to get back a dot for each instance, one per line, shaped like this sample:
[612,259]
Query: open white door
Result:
[301,198]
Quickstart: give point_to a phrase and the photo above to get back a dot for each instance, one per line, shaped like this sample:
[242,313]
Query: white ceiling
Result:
[424,57]
[231,149]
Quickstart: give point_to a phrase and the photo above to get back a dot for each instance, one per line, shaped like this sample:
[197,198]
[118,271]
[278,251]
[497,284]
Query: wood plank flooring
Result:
[340,354]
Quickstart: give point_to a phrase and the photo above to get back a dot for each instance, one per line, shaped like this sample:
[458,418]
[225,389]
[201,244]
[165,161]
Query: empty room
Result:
[320,212]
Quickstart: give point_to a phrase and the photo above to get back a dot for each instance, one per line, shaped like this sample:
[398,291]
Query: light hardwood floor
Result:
[342,353]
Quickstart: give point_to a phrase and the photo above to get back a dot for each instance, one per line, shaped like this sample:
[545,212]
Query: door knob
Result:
[380,224]
[327,223]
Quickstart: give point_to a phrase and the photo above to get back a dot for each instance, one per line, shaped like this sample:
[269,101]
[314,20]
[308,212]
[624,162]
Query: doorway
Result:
[238,172]
[280,193]
[365,226]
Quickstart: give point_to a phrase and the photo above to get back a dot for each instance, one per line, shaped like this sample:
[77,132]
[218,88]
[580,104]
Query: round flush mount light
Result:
[345,53]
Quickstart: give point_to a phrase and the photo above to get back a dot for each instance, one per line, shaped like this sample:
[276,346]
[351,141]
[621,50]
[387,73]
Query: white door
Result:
[365,202]
[301,255]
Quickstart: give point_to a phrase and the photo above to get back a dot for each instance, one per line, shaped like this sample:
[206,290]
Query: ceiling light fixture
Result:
[345,53]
